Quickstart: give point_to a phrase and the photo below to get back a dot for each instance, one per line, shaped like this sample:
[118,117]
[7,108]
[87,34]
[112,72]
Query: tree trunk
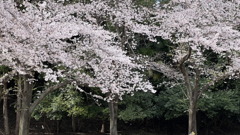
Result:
[73,123]
[24,121]
[192,92]
[192,119]
[18,104]
[113,107]
[58,125]
[5,110]
[102,128]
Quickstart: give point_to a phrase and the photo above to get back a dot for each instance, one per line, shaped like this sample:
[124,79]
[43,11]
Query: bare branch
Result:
[46,92]
[166,70]
[207,86]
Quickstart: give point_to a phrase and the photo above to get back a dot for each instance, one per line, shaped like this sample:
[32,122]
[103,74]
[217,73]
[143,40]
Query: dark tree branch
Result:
[46,92]
[185,58]
[185,72]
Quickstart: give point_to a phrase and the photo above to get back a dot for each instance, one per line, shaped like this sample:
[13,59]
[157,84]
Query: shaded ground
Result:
[131,133]
[147,127]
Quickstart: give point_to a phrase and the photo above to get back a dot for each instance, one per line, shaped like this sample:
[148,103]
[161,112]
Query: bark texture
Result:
[113,107]
[74,124]
[18,104]
[192,93]
[192,119]
[24,118]
[102,128]
[5,110]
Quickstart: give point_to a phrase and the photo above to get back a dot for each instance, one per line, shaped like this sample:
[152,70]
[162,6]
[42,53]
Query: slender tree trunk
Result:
[102,127]
[5,110]
[58,125]
[73,123]
[192,119]
[18,112]
[192,92]
[18,104]
[113,107]
[79,125]
[24,121]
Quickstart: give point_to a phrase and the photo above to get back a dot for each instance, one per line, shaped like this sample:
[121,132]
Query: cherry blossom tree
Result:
[116,79]
[32,37]
[197,27]
[36,35]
